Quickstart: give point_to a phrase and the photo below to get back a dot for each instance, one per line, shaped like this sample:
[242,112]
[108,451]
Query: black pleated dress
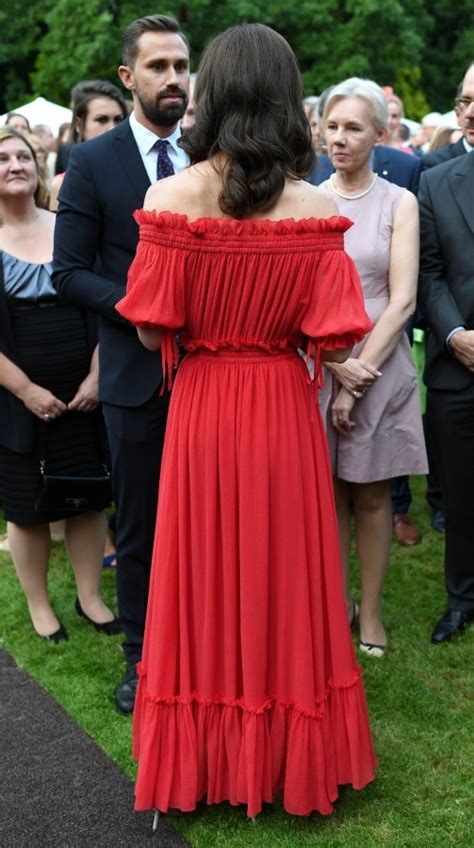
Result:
[52,348]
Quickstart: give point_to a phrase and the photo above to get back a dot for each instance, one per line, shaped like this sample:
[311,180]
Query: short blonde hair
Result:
[368,90]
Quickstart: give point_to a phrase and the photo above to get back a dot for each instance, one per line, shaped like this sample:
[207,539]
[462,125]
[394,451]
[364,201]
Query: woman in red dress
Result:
[248,682]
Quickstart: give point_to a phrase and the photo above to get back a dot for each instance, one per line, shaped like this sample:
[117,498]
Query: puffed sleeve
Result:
[336,317]
[155,287]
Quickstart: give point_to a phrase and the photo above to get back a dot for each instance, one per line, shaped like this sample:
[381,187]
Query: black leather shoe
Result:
[126,693]
[451,624]
[110,628]
[437,520]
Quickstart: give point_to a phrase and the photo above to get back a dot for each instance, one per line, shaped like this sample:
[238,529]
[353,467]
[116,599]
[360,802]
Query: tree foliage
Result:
[22,29]
[420,47]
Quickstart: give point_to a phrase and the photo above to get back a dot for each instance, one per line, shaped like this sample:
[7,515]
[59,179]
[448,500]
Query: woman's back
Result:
[195,193]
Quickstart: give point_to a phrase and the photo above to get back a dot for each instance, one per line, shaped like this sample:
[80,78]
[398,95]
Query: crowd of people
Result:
[245,339]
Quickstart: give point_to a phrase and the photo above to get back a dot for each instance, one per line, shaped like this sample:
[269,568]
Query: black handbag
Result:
[66,493]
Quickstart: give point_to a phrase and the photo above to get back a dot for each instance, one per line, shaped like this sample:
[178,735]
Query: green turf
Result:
[420,699]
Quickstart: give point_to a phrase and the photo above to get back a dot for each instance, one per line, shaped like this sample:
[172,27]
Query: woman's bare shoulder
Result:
[182,193]
[308,201]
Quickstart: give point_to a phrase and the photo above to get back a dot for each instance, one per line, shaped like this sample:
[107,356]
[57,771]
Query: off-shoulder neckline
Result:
[206,224]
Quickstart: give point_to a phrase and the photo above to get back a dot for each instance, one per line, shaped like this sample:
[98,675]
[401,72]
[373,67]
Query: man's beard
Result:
[166,115]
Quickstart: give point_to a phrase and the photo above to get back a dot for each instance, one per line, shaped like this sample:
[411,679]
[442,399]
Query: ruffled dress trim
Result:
[224,749]
[246,226]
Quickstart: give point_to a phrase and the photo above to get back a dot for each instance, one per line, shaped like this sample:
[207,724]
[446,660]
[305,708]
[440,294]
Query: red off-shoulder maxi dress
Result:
[248,683]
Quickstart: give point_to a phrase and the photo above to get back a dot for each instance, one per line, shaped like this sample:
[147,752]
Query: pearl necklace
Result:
[351,196]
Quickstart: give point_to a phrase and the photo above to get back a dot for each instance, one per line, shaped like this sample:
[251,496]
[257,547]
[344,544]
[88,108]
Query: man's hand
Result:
[462,346]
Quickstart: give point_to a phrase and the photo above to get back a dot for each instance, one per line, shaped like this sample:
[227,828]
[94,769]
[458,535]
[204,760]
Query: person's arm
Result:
[76,243]
[358,375]
[335,355]
[86,398]
[39,401]
[151,339]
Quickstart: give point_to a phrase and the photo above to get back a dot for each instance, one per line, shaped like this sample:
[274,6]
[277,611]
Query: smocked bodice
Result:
[252,284]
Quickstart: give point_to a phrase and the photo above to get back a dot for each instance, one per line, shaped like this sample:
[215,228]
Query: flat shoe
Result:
[110,628]
[372,650]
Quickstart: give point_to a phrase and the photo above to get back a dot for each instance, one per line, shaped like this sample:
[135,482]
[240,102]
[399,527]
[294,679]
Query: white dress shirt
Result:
[146,140]
[468,146]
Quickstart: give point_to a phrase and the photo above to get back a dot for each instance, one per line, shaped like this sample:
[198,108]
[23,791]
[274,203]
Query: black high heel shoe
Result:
[59,635]
[110,628]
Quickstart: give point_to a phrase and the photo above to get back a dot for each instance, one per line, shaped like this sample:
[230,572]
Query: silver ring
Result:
[45,415]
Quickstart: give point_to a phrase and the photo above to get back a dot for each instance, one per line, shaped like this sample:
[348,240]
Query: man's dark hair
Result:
[149,23]
[249,107]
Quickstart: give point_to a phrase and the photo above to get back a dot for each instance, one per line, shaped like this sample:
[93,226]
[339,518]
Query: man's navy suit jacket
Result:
[391,164]
[444,154]
[95,242]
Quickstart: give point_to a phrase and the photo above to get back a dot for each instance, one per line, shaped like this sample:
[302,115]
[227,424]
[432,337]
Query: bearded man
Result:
[96,238]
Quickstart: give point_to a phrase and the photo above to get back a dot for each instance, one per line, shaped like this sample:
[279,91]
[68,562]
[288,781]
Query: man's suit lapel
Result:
[129,156]
[461,181]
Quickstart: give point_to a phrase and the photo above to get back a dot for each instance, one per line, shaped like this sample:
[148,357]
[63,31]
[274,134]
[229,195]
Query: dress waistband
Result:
[250,355]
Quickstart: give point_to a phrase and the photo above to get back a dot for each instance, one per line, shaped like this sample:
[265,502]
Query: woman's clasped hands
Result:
[356,377]
[45,405]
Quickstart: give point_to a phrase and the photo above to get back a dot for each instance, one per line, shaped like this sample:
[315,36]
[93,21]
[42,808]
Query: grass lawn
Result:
[420,698]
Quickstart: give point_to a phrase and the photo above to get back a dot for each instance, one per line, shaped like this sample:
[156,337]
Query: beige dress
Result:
[387,440]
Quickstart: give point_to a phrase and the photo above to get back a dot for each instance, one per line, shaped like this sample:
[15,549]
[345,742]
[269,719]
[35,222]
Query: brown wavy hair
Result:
[249,108]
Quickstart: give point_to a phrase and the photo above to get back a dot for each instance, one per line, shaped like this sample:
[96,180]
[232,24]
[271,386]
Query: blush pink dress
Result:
[388,439]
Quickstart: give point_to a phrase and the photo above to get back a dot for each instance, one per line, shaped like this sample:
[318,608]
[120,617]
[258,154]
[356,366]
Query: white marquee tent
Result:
[42,111]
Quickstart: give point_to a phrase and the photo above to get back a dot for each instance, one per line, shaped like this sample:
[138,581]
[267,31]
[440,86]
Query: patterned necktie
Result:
[164,165]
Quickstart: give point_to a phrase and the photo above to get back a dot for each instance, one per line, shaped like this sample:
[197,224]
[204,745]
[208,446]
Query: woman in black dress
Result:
[48,399]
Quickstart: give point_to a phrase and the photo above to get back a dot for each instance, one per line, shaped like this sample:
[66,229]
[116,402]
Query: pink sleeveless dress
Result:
[388,439]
